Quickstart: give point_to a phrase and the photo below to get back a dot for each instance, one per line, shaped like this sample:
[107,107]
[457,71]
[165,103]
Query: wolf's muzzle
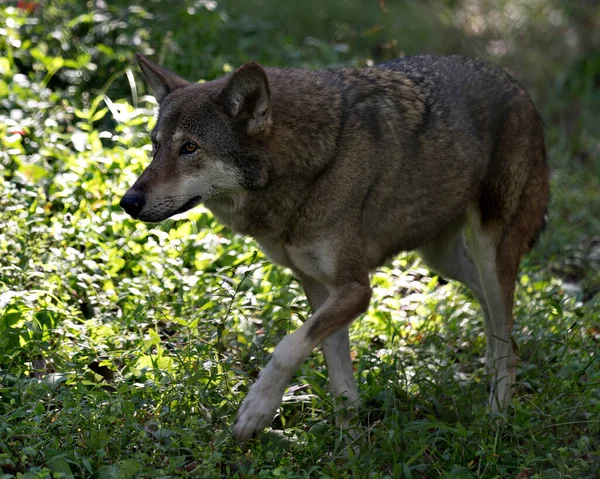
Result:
[133,203]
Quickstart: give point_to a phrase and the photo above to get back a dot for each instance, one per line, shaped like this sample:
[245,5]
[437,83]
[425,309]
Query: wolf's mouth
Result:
[188,205]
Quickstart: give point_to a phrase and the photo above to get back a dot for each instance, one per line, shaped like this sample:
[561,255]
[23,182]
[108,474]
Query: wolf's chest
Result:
[316,260]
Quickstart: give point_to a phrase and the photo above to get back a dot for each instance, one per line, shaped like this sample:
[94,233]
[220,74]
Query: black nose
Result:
[133,203]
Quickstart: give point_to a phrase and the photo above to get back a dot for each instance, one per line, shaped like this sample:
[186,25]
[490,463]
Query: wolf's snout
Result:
[133,203]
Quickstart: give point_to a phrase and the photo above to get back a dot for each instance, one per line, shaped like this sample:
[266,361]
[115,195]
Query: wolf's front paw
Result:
[257,410]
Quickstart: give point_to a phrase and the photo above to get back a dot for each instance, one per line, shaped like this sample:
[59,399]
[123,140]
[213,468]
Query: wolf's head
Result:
[206,143]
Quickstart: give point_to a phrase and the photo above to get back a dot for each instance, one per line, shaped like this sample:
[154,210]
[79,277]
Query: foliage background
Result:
[125,348]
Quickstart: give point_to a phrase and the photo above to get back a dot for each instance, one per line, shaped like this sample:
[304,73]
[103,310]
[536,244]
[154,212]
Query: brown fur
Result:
[334,171]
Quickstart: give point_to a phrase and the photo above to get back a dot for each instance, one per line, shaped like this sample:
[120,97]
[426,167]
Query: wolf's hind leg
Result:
[503,226]
[484,250]
[447,255]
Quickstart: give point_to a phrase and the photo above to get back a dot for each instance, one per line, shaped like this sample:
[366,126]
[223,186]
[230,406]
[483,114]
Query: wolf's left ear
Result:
[247,96]
[161,81]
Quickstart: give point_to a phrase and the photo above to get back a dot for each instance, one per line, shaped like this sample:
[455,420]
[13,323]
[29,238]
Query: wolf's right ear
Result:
[247,97]
[161,81]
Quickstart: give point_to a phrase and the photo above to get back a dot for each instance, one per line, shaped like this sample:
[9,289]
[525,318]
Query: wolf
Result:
[335,171]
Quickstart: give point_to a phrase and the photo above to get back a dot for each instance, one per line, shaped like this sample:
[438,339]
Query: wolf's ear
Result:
[161,81]
[247,96]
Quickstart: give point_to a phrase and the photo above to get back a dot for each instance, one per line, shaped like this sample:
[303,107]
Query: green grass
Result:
[125,349]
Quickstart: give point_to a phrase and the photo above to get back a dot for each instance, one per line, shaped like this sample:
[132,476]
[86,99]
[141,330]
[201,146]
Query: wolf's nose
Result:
[133,203]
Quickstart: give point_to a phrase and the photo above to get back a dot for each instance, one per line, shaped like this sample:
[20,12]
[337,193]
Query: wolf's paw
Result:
[257,410]
[261,403]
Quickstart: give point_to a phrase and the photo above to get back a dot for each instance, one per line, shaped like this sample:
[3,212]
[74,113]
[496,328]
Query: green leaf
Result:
[460,473]
[4,90]
[109,472]
[99,114]
[5,66]
[129,468]
[58,463]
[32,173]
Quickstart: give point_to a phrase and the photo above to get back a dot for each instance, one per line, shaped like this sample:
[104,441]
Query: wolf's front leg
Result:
[343,305]
[263,399]
[336,349]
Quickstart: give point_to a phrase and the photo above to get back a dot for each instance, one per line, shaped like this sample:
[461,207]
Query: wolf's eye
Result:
[188,147]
